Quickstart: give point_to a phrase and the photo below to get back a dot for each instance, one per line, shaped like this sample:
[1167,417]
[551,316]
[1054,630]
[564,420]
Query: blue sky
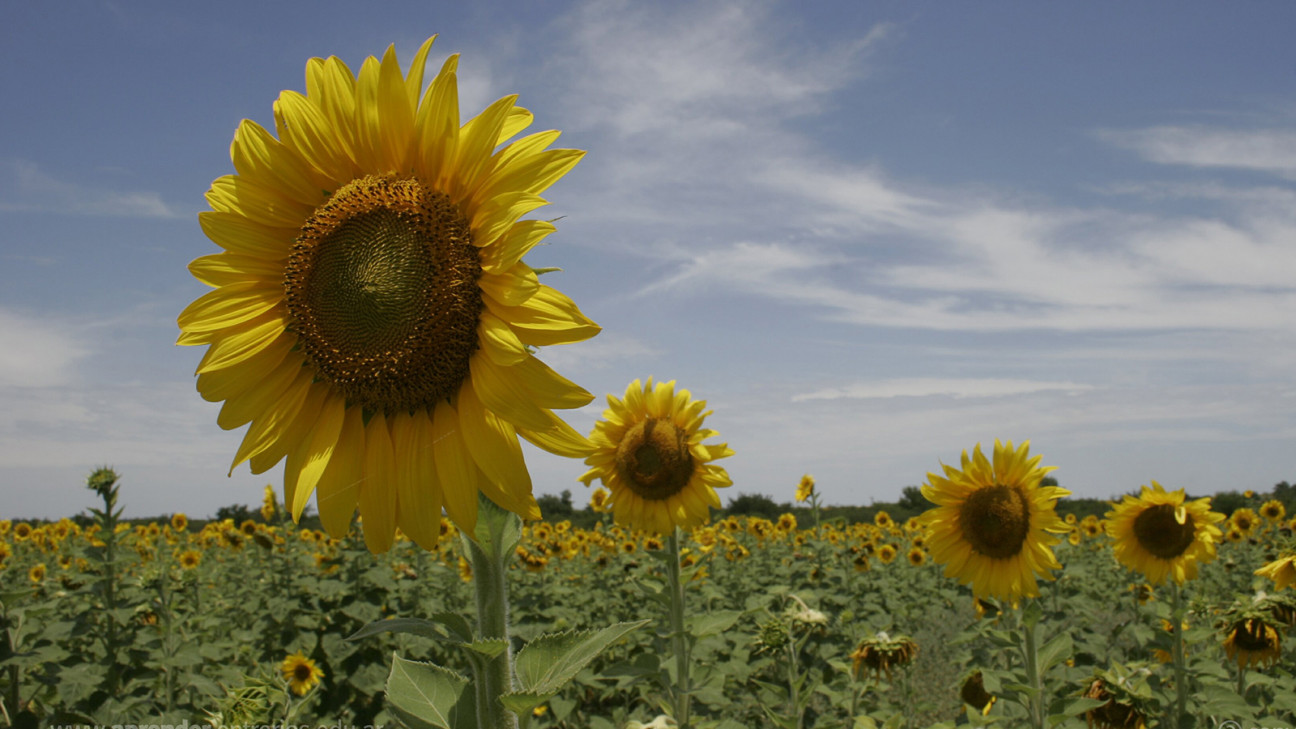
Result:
[869,234]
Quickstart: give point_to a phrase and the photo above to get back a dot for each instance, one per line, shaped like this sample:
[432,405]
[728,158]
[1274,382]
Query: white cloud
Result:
[29,188]
[931,386]
[1263,150]
[36,352]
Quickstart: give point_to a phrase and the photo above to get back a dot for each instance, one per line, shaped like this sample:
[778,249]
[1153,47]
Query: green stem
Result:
[679,635]
[1180,670]
[1030,651]
[794,694]
[496,678]
[1241,682]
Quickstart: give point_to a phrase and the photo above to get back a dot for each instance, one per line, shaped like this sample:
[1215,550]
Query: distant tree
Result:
[556,507]
[1227,502]
[755,505]
[912,499]
[238,512]
[1048,481]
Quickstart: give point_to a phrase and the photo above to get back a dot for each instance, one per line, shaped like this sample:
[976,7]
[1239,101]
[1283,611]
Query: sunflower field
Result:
[789,625]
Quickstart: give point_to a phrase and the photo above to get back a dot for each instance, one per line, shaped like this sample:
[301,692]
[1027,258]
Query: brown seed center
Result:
[1159,533]
[995,521]
[382,289]
[653,459]
[302,672]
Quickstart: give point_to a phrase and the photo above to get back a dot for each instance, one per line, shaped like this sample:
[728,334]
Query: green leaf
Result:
[522,702]
[498,530]
[489,647]
[1066,708]
[427,696]
[1054,651]
[550,661]
[447,627]
[712,623]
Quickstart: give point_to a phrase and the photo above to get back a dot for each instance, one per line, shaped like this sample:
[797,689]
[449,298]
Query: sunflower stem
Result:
[680,693]
[492,543]
[1180,670]
[1030,652]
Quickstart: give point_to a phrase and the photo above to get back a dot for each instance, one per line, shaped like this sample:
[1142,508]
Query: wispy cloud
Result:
[1263,150]
[25,187]
[36,352]
[930,386]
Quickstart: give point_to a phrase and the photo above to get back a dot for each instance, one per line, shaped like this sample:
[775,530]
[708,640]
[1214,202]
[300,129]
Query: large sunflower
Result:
[372,319]
[648,451]
[1158,534]
[993,523]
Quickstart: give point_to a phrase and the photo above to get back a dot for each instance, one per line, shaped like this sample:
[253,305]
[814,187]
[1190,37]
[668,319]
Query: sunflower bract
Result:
[372,322]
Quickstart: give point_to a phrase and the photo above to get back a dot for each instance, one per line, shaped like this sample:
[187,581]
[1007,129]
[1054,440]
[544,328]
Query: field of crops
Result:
[791,625]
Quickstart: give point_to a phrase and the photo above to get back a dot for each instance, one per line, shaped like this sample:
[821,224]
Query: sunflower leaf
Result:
[447,627]
[1054,650]
[426,696]
[522,702]
[712,623]
[550,661]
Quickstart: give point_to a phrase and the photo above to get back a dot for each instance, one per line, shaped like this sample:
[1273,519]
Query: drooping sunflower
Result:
[372,319]
[1158,534]
[993,523]
[805,488]
[1252,642]
[648,451]
[1282,571]
[301,673]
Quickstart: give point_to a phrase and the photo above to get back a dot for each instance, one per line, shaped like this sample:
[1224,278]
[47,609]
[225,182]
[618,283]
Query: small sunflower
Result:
[1282,571]
[1273,510]
[883,520]
[37,573]
[1245,520]
[301,673]
[189,559]
[371,318]
[648,451]
[886,554]
[179,522]
[598,500]
[805,488]
[917,557]
[993,523]
[1159,534]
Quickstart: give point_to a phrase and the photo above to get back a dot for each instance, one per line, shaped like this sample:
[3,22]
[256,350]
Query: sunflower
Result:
[993,523]
[880,653]
[1158,534]
[805,488]
[973,693]
[886,554]
[1252,642]
[917,557]
[648,451]
[1273,510]
[189,559]
[301,673]
[37,573]
[1282,571]
[372,318]
[882,519]
[1245,520]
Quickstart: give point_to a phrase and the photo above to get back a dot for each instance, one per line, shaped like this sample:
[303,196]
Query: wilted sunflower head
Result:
[1160,534]
[649,451]
[973,693]
[880,653]
[1252,641]
[993,523]
[1119,712]
[371,318]
[805,488]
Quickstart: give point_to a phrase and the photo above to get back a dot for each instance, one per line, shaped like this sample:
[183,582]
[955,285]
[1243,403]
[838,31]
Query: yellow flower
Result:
[37,573]
[993,523]
[22,531]
[372,319]
[179,522]
[917,557]
[190,559]
[1245,520]
[301,673]
[648,451]
[882,519]
[1282,571]
[1273,510]
[886,554]
[805,488]
[1158,534]
[598,500]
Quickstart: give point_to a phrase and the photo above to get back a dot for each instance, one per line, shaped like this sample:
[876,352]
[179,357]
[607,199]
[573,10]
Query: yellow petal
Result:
[494,446]
[418,489]
[493,217]
[293,433]
[229,305]
[258,202]
[307,462]
[455,468]
[498,341]
[515,243]
[238,234]
[547,317]
[395,111]
[223,269]
[303,127]
[511,287]
[339,484]
[228,382]
[559,438]
[269,425]
[260,157]
[331,86]
[437,126]
[520,393]
[378,494]
[533,174]
[251,338]
[477,142]
[259,398]
[414,81]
